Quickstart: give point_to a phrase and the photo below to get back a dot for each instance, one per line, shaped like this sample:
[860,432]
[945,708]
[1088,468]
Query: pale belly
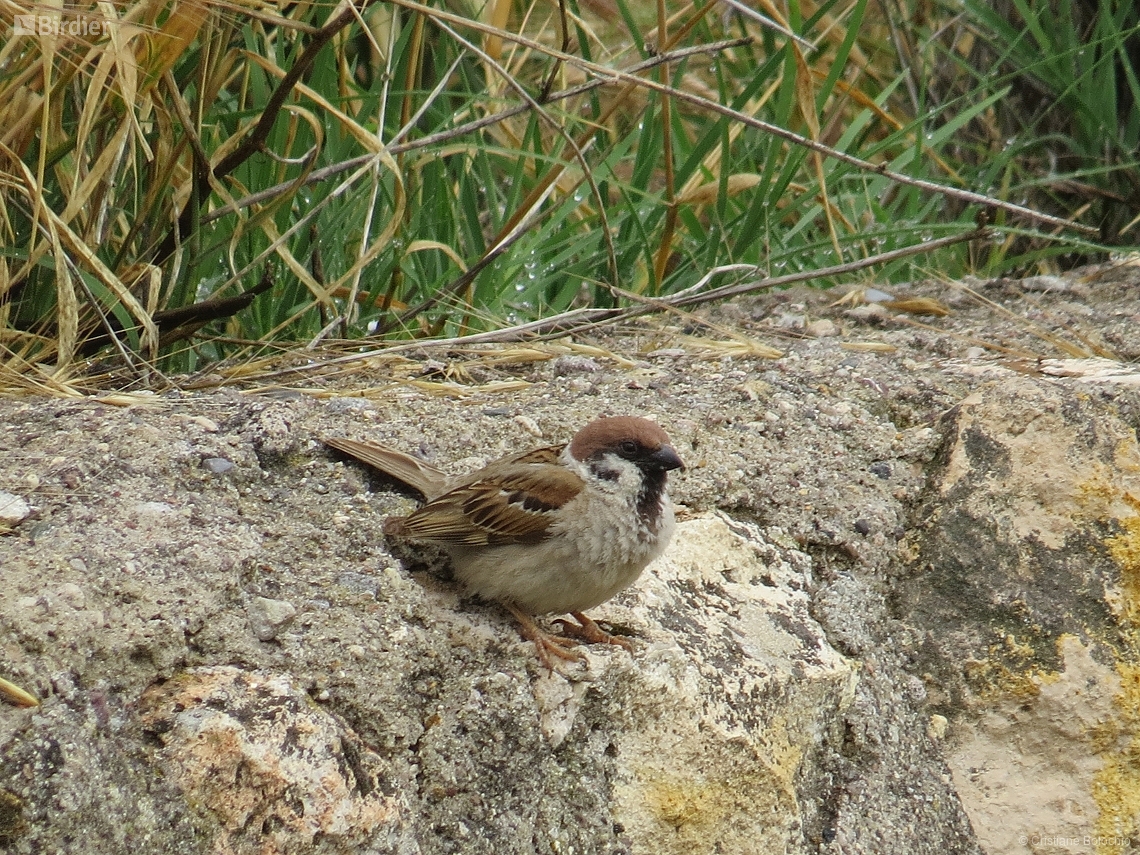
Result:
[567,572]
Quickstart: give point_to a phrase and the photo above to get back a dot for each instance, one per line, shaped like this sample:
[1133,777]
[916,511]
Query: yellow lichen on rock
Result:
[1117,786]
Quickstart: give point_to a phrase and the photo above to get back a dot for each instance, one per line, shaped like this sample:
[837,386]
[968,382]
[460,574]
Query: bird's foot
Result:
[587,631]
[546,644]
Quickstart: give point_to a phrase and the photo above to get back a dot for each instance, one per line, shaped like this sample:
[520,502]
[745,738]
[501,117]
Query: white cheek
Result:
[628,480]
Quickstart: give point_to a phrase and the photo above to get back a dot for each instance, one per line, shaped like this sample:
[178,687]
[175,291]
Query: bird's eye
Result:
[628,447]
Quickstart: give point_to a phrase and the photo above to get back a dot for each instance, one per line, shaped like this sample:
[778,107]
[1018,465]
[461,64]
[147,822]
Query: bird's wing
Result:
[545,456]
[511,502]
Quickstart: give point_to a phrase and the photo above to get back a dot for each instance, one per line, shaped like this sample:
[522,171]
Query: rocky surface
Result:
[899,614]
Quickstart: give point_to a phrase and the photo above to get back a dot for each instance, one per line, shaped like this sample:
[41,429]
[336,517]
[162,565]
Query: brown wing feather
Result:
[545,456]
[509,504]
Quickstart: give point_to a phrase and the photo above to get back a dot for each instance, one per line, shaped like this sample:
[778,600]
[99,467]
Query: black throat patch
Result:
[649,498]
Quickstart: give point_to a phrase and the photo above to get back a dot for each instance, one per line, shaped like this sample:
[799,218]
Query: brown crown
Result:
[609,431]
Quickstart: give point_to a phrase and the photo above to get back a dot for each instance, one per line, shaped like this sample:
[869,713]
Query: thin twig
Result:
[617,75]
[521,227]
[258,135]
[726,291]
[765,21]
[468,275]
[16,695]
[441,137]
[581,320]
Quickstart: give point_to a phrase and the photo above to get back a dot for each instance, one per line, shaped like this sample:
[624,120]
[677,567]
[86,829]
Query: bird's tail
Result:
[420,476]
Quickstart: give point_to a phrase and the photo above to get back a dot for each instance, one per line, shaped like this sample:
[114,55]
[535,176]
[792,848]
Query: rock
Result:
[360,583]
[822,328]
[573,363]
[899,615]
[696,770]
[788,321]
[269,618]
[342,405]
[73,779]
[295,781]
[13,509]
[1023,589]
[217,465]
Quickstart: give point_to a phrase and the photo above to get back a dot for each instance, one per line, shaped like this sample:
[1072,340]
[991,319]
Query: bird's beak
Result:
[666,458]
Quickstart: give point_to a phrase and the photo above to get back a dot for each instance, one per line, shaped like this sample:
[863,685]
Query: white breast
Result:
[597,548]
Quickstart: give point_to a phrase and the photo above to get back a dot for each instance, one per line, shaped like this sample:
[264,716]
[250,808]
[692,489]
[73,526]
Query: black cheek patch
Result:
[603,472]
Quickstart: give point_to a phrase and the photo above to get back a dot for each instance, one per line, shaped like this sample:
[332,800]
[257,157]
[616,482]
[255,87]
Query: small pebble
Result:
[73,594]
[217,465]
[348,405]
[529,425]
[570,363]
[936,729]
[359,582]
[789,321]
[153,509]
[13,509]
[871,312]
[823,328]
[268,618]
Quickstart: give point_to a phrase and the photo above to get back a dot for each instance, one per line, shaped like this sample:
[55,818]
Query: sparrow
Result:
[556,530]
